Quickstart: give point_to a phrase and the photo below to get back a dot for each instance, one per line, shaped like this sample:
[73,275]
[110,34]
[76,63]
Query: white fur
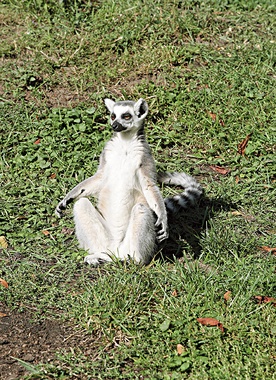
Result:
[123,224]
[130,207]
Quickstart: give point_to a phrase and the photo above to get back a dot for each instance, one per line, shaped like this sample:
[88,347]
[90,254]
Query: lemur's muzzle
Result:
[118,127]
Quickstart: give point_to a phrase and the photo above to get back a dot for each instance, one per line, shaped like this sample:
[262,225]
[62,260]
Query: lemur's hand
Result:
[162,233]
[62,206]
[59,208]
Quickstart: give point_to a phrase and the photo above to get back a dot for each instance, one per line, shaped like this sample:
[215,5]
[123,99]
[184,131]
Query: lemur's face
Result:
[126,115]
[122,118]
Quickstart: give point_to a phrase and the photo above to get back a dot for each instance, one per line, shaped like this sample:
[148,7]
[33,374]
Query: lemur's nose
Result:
[117,127]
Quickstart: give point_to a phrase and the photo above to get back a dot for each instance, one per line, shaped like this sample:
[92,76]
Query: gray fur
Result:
[191,194]
[130,216]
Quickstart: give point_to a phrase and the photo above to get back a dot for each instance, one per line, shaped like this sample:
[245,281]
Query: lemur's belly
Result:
[121,190]
[115,204]
[116,201]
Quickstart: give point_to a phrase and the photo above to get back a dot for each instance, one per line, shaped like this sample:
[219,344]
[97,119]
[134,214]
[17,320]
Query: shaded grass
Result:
[207,71]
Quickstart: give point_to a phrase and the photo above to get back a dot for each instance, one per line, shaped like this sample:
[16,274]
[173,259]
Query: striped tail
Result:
[192,190]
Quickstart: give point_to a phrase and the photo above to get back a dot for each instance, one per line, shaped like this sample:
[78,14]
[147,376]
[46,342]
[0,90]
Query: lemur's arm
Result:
[89,186]
[155,202]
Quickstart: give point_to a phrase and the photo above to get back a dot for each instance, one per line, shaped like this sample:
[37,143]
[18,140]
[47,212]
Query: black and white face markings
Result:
[125,115]
[121,120]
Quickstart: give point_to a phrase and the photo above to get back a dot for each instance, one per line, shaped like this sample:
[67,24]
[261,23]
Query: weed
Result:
[207,70]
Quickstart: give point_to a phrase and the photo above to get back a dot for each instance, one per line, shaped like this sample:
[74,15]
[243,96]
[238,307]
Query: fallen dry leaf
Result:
[179,349]
[243,144]
[211,322]
[268,249]
[265,299]
[220,169]
[208,321]
[2,315]
[248,217]
[212,115]
[4,283]
[46,233]
[237,213]
[3,242]
[227,296]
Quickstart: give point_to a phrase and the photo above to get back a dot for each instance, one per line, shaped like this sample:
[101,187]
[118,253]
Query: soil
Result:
[36,342]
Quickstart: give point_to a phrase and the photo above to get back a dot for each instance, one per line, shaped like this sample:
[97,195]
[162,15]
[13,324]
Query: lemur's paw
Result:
[92,260]
[96,260]
[163,233]
[58,212]
[59,209]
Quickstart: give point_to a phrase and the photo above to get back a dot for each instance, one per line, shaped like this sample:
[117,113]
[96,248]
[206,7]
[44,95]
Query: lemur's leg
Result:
[139,241]
[92,232]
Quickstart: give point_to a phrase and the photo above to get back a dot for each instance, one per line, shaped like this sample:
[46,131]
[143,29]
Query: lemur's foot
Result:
[97,259]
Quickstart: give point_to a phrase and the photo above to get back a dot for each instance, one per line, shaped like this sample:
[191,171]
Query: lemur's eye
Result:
[113,116]
[126,116]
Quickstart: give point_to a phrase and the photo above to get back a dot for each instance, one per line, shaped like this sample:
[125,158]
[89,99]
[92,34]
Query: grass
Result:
[207,70]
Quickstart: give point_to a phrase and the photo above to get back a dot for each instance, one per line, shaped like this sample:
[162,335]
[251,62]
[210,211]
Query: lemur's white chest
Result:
[121,188]
[123,159]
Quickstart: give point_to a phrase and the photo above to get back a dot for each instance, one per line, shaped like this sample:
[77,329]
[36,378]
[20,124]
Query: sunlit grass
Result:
[207,71]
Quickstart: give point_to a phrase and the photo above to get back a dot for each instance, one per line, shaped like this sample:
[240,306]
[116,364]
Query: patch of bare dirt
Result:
[37,342]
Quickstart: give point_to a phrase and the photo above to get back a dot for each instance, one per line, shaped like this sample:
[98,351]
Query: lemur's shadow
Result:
[186,228]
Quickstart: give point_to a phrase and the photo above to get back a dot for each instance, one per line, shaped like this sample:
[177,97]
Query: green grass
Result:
[207,70]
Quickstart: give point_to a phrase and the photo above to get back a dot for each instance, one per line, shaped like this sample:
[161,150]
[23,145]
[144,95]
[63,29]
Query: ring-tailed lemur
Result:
[131,214]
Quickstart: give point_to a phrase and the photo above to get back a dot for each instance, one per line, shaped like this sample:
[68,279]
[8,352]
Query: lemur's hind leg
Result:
[92,232]
[139,241]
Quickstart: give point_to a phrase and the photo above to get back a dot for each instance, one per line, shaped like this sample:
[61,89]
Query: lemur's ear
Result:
[109,104]
[141,108]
